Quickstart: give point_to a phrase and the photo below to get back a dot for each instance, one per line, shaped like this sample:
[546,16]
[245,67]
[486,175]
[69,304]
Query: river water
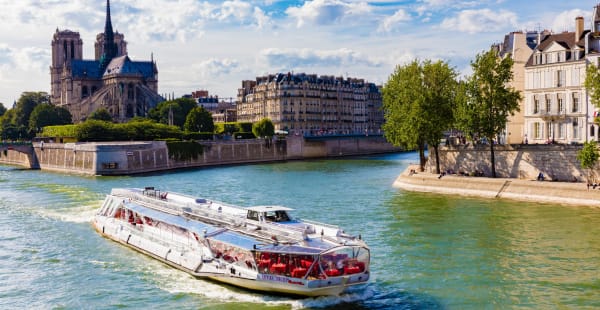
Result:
[428,251]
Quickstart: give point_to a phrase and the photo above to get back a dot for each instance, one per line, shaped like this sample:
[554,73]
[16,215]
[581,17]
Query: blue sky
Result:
[214,45]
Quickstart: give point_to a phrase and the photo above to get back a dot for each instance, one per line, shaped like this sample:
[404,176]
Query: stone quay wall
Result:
[567,193]
[122,158]
[522,161]
[299,147]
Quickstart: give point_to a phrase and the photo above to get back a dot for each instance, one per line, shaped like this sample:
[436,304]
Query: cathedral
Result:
[112,81]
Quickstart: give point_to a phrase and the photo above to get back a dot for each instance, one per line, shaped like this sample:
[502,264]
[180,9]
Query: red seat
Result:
[277,268]
[332,272]
[264,263]
[306,263]
[299,272]
[351,270]
[360,265]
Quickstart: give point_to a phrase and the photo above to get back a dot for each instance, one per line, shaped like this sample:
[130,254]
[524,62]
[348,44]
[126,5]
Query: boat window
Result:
[276,216]
[345,261]
[289,265]
[252,215]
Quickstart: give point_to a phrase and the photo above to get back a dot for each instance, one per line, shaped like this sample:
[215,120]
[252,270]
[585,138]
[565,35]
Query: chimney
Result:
[578,28]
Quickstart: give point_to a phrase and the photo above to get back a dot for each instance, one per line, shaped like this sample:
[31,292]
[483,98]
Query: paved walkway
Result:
[523,190]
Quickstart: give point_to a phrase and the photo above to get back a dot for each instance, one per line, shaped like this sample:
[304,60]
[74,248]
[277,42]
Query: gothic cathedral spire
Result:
[110,48]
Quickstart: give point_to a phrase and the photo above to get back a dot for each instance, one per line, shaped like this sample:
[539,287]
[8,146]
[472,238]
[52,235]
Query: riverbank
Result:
[576,193]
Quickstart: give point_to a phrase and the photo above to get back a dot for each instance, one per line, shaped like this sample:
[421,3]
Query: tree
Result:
[179,108]
[199,120]
[592,84]
[101,115]
[488,99]
[48,115]
[25,105]
[418,106]
[263,128]
[588,156]
[2,109]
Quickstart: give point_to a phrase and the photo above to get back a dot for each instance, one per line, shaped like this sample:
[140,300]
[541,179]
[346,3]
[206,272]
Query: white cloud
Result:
[485,20]
[565,21]
[436,5]
[293,58]
[324,12]
[392,22]
[215,67]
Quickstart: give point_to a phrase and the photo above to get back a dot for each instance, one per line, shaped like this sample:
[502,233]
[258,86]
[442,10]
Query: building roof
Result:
[566,40]
[86,69]
[123,65]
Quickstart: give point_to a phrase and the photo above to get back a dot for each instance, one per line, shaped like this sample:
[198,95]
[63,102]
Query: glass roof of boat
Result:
[268,208]
[180,221]
[235,239]
[289,249]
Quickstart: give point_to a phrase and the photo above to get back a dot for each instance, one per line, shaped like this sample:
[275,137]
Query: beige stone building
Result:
[517,45]
[307,104]
[112,81]
[557,107]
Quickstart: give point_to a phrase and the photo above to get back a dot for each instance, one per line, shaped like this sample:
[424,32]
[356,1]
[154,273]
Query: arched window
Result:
[72,49]
[94,89]
[129,110]
[84,92]
[130,91]
[65,49]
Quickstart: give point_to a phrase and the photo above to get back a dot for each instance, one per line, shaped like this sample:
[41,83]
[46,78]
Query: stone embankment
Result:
[576,193]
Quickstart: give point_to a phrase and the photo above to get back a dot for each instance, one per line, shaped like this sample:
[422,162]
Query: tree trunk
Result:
[437,159]
[493,158]
[422,159]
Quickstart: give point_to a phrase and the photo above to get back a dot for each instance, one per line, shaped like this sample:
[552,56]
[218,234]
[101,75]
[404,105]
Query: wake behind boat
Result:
[259,248]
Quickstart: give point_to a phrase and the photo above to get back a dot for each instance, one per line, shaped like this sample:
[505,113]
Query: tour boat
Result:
[260,248]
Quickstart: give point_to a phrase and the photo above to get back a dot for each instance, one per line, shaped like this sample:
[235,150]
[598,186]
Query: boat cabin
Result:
[269,214]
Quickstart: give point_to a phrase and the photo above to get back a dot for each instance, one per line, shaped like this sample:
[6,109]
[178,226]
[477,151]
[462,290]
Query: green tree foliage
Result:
[2,109]
[101,115]
[46,115]
[592,84]
[488,100]
[199,120]
[15,122]
[588,156]
[418,105]
[179,107]
[263,128]
[25,105]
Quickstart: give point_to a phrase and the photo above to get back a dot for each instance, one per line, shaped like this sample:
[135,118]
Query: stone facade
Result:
[308,104]
[558,161]
[518,46]
[557,105]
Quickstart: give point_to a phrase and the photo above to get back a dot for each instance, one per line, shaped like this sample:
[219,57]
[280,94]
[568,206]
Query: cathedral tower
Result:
[66,47]
[110,48]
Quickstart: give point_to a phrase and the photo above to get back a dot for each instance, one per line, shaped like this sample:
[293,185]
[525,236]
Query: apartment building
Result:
[518,46]
[312,105]
[557,106]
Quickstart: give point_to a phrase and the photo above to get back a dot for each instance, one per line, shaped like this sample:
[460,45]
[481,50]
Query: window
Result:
[575,103]
[575,129]
[548,104]
[537,132]
[561,131]
[560,78]
[536,106]
[592,131]
[561,105]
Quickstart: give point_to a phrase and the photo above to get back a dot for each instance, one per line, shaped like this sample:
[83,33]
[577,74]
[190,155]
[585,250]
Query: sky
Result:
[214,45]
